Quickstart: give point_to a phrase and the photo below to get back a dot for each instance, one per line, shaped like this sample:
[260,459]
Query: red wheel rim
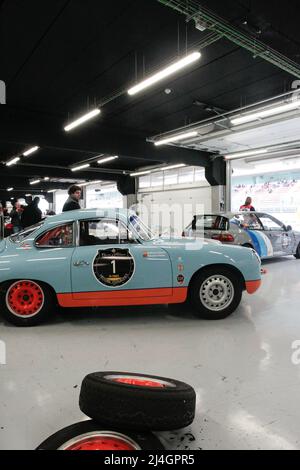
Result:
[25,298]
[100,441]
[139,381]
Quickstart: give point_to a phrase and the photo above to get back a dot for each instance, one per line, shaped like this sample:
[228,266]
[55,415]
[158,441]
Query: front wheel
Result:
[26,303]
[297,254]
[215,293]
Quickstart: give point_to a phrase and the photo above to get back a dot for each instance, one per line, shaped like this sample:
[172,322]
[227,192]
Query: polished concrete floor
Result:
[247,387]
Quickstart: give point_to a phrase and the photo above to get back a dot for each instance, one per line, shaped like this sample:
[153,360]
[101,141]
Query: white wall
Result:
[170,211]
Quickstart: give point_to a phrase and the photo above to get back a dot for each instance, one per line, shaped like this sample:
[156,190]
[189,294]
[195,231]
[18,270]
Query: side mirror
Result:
[288,228]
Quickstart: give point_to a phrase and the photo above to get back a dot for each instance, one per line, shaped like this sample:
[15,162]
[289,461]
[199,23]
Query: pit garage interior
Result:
[199,141]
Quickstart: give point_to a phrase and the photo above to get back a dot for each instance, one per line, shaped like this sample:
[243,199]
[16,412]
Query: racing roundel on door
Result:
[114,266]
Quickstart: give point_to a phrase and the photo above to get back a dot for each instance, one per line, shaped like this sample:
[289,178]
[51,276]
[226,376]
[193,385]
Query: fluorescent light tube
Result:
[13,161]
[107,159]
[171,167]
[31,150]
[265,113]
[80,167]
[140,173]
[176,138]
[51,190]
[82,119]
[34,182]
[46,178]
[165,72]
[9,189]
[232,156]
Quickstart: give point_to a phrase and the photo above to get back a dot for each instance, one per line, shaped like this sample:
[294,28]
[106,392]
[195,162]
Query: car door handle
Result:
[80,263]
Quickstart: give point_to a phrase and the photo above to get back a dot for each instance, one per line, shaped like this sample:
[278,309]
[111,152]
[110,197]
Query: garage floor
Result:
[247,387]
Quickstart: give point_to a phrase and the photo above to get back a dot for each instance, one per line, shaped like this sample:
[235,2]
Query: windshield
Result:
[143,231]
[20,236]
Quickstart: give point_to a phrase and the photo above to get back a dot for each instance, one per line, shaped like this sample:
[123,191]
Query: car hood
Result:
[183,241]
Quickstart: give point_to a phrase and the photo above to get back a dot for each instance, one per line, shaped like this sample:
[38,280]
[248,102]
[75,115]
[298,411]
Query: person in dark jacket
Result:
[15,217]
[31,214]
[72,203]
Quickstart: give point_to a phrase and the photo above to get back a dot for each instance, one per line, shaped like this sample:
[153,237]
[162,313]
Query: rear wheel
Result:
[297,254]
[26,303]
[216,293]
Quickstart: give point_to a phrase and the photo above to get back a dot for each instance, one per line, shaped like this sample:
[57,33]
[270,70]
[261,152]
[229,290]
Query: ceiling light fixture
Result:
[13,161]
[180,64]
[107,159]
[176,138]
[9,189]
[82,119]
[46,178]
[34,182]
[140,173]
[235,121]
[87,183]
[233,156]
[171,167]
[80,167]
[52,190]
[31,150]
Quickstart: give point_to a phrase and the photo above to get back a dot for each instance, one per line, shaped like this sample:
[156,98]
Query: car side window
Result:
[103,232]
[61,236]
[247,220]
[270,224]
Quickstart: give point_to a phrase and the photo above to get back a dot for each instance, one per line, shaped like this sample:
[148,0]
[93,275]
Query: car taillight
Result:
[223,237]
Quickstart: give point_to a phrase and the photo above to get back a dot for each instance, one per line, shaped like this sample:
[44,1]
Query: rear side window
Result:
[61,236]
[20,236]
[209,222]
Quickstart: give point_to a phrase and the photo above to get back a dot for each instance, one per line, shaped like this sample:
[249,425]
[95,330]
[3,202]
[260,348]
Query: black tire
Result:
[201,303]
[139,441]
[134,406]
[38,310]
[297,254]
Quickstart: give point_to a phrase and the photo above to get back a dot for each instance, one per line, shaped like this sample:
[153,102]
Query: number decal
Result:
[113,267]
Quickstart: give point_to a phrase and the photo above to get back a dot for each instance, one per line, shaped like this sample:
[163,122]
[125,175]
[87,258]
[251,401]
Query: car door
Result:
[112,266]
[280,238]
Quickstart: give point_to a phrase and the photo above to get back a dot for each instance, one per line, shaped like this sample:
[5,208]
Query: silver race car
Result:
[267,235]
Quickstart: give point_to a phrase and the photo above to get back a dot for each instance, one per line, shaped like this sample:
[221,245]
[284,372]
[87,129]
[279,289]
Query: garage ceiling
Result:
[60,58]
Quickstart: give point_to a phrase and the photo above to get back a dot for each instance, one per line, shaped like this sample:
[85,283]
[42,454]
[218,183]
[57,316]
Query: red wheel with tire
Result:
[137,401]
[26,303]
[89,435]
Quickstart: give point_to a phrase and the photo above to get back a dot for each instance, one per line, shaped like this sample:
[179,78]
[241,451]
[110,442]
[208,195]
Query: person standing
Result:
[72,203]
[248,205]
[15,216]
[31,214]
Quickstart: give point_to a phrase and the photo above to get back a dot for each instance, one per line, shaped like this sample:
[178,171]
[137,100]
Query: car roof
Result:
[81,214]
[229,215]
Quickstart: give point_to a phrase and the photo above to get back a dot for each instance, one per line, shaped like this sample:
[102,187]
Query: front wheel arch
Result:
[230,268]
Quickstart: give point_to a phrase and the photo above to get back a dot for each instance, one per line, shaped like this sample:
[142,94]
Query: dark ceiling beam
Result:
[28,172]
[33,129]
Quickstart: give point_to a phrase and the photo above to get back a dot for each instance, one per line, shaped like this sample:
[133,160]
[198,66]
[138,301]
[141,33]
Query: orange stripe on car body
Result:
[253,286]
[166,295]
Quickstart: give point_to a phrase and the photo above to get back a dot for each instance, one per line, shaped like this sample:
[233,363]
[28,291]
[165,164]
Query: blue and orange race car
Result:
[100,258]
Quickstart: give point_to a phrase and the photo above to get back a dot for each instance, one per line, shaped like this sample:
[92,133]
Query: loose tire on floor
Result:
[137,401]
[89,435]
[215,293]
[26,303]
[297,254]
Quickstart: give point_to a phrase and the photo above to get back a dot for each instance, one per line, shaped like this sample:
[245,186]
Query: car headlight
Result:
[257,256]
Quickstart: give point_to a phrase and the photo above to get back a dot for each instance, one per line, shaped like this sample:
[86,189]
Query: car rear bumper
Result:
[253,286]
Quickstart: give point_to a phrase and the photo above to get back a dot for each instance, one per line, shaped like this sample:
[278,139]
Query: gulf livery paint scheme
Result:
[89,258]
[263,232]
